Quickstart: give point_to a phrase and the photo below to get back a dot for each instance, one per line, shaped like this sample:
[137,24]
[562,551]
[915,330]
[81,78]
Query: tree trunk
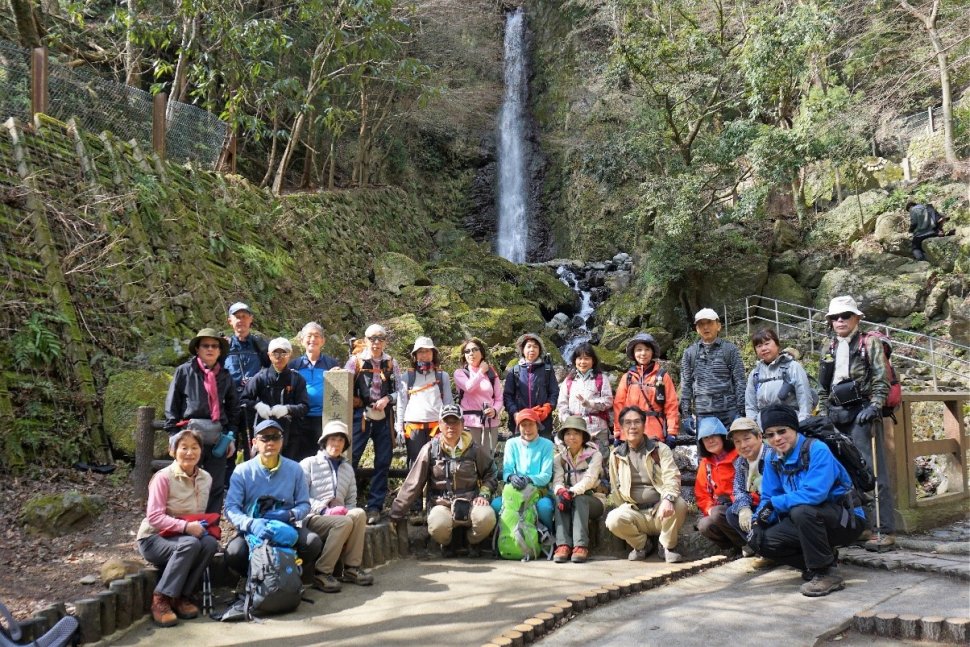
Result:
[28,25]
[179,85]
[291,145]
[132,53]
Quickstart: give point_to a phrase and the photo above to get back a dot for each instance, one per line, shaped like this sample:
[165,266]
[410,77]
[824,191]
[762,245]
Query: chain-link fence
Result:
[98,104]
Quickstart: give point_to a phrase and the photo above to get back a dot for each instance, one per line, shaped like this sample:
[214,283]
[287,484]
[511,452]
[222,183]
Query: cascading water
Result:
[513,217]
[580,329]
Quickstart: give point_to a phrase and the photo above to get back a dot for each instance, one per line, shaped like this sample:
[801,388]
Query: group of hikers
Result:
[762,488]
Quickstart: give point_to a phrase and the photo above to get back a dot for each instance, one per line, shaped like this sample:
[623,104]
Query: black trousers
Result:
[807,537]
[308,547]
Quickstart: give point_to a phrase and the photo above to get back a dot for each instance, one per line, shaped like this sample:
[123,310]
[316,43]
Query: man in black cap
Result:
[808,505]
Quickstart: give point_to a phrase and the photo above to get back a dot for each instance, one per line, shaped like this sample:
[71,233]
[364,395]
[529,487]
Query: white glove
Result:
[744,519]
[263,410]
[280,411]
[400,438]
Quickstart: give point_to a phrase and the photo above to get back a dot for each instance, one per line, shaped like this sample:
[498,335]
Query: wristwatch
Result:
[670,497]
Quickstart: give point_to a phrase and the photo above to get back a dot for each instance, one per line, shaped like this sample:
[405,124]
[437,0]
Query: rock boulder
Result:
[126,391]
[393,271]
[59,514]
[884,286]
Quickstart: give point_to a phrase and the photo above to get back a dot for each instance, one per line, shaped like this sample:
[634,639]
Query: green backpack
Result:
[518,534]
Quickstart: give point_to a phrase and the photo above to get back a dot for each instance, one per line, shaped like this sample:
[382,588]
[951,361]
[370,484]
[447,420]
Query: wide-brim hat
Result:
[212,333]
[335,428]
[576,423]
[642,338]
[520,343]
[845,303]
[425,343]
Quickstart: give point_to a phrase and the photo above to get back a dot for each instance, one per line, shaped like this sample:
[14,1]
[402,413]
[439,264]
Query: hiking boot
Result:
[474,551]
[162,613]
[863,538]
[326,583]
[354,575]
[823,584]
[747,551]
[580,554]
[672,556]
[881,543]
[761,563]
[561,556]
[373,516]
[636,555]
[449,550]
[185,609]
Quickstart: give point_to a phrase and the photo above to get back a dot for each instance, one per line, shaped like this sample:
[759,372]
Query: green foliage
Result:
[274,263]
[44,432]
[35,345]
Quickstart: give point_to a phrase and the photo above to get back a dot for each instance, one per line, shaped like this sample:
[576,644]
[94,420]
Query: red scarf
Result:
[211,389]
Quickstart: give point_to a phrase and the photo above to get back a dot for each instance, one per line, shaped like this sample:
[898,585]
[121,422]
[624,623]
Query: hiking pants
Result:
[487,438]
[716,527]
[378,431]
[862,438]
[807,537]
[572,528]
[343,539]
[302,438]
[544,508]
[441,524]
[635,526]
[182,560]
[308,548]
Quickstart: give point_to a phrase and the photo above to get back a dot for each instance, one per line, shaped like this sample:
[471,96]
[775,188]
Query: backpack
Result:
[518,532]
[490,375]
[604,415]
[784,378]
[274,584]
[841,446]
[438,379]
[895,396]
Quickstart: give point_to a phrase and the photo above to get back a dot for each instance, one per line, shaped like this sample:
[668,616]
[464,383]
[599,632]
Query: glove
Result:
[258,528]
[671,441]
[867,415]
[518,482]
[264,410]
[337,510]
[400,439]
[280,411]
[277,515]
[564,500]
[744,519]
[544,410]
[765,513]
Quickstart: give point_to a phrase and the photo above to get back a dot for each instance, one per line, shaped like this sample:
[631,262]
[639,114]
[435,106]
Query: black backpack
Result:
[274,584]
[841,446]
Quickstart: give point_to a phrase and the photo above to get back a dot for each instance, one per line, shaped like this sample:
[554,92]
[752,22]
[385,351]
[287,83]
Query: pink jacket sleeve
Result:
[157,505]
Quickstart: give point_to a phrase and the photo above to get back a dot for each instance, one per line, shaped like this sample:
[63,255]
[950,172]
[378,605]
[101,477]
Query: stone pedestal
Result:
[338,398]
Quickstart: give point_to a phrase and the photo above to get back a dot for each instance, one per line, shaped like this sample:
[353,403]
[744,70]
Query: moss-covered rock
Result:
[501,326]
[401,333]
[784,263]
[613,337]
[783,287]
[126,391]
[813,267]
[853,218]
[942,252]
[611,360]
[959,319]
[884,286]
[162,350]
[60,514]
[393,271]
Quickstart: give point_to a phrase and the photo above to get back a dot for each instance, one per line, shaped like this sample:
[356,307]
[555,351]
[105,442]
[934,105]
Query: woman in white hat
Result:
[424,389]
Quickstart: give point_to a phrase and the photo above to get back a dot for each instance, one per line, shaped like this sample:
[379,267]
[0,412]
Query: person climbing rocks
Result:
[925,222]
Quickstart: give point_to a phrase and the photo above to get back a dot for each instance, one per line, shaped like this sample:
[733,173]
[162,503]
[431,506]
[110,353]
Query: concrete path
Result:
[468,601]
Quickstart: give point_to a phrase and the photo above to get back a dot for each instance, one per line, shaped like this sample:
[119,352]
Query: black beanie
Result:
[779,415]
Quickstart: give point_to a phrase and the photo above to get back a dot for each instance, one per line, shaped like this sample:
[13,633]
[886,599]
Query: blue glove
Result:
[518,482]
[277,515]
[671,441]
[867,415]
[258,528]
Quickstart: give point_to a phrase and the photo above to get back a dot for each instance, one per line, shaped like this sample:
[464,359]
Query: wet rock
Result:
[59,514]
[560,320]
[621,258]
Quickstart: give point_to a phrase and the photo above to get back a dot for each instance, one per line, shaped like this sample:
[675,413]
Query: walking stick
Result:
[875,472]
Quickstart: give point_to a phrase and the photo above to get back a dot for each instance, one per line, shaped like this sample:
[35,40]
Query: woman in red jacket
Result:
[648,385]
[714,484]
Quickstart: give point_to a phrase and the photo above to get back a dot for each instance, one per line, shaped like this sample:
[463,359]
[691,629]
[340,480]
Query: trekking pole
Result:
[875,473]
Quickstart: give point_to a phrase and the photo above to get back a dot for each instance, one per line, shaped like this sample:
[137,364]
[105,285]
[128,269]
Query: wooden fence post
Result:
[930,126]
[144,451]
[38,81]
[159,104]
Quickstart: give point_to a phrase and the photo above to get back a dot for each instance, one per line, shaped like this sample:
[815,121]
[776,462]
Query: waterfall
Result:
[513,218]
[580,322]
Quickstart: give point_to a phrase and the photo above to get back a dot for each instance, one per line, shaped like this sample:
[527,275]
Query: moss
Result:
[126,391]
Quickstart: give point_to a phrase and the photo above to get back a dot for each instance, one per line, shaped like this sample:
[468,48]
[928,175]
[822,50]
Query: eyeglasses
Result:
[472,350]
[771,434]
[280,353]
[274,438]
[631,422]
[209,346]
[844,316]
[377,338]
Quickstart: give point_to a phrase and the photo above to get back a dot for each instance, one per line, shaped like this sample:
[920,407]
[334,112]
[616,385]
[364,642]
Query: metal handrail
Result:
[943,357]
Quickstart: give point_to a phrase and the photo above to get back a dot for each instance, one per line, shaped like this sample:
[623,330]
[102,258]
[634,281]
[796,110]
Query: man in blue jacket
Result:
[808,505]
[268,487]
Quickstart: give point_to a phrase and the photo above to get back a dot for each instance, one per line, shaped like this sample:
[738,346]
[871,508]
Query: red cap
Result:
[527,414]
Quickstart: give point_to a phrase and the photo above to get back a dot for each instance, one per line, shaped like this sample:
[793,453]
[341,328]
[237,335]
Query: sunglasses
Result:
[772,434]
[280,353]
[209,346]
[377,338]
[844,316]
[472,350]
[274,438]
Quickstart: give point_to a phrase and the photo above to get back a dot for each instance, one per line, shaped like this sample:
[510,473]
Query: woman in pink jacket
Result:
[479,394]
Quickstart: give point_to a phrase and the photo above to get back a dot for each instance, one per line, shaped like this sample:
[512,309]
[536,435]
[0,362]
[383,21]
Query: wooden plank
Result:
[931,447]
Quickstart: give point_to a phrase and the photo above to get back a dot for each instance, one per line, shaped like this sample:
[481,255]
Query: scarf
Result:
[842,357]
[425,367]
[211,389]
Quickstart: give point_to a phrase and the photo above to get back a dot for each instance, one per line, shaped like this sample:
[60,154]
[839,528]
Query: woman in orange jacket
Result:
[714,485]
[648,385]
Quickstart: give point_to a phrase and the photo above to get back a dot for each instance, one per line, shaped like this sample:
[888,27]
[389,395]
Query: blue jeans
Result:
[380,433]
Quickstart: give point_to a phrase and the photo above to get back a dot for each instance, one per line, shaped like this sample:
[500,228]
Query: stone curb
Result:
[125,603]
[913,627]
[548,620]
[902,559]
